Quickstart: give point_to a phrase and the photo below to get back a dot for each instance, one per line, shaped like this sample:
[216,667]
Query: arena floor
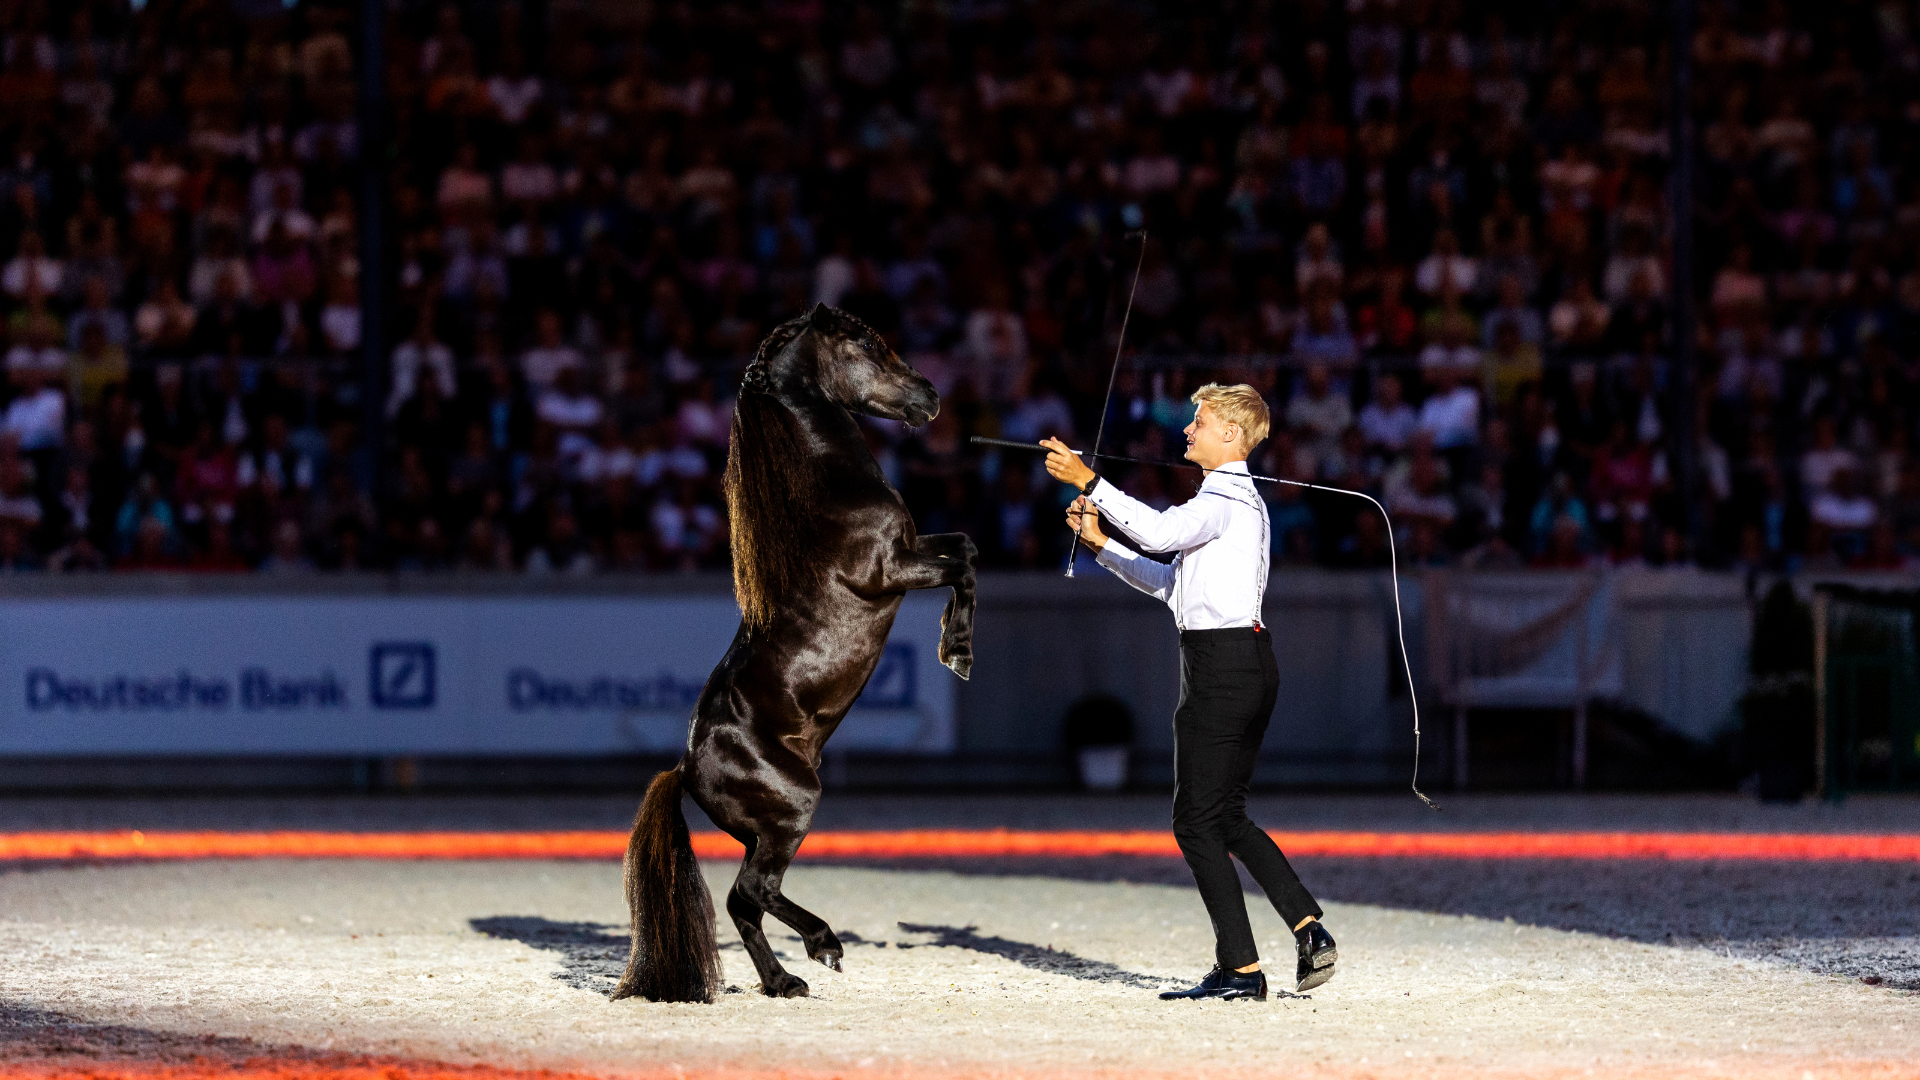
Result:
[1450,967]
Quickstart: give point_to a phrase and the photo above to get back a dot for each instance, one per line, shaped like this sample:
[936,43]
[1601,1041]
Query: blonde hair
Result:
[1240,405]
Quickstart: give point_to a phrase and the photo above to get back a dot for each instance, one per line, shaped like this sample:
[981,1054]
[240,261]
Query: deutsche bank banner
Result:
[381,675]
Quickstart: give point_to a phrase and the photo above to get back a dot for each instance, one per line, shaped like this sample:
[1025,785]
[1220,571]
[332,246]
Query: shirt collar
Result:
[1235,469]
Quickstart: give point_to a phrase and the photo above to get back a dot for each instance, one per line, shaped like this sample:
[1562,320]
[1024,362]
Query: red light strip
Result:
[958,843]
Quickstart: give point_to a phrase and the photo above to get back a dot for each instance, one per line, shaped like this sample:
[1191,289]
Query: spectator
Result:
[1324,337]
[420,352]
[36,419]
[573,413]
[1512,310]
[163,325]
[1318,414]
[31,269]
[1844,512]
[1423,501]
[1511,363]
[195,222]
[340,319]
[1826,458]
[95,368]
[1445,268]
[288,558]
[1579,318]
[995,344]
[1387,421]
[1451,413]
[1451,350]
[541,365]
[1560,527]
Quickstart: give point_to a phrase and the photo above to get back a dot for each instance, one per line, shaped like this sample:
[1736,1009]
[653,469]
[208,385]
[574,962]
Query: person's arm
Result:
[1178,528]
[1150,577]
[1188,525]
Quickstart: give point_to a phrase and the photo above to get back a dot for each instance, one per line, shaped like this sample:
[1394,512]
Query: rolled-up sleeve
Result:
[1180,528]
[1150,577]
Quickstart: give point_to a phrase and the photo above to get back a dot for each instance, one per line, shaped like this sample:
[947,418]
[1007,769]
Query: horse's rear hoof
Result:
[828,958]
[787,986]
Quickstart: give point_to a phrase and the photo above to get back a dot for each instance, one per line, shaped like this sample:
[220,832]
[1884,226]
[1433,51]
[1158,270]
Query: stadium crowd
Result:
[1436,235]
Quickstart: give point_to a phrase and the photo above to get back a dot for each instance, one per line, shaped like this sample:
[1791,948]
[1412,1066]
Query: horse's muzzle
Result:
[923,405]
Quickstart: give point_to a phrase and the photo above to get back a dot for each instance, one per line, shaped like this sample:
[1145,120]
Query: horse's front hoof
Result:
[787,986]
[828,958]
[961,663]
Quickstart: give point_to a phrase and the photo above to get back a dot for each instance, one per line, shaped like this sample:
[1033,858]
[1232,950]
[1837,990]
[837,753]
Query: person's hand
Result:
[1084,518]
[1064,465]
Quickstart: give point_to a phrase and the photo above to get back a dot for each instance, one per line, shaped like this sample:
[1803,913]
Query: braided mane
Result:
[772,487]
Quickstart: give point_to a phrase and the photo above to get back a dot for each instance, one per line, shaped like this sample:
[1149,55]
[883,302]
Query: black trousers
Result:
[1228,685]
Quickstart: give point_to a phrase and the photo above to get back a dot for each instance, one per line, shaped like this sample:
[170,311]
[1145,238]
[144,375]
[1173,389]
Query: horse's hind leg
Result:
[757,890]
[775,981]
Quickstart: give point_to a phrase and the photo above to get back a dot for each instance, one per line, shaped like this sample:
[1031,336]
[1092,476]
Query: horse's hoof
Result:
[962,665]
[824,949]
[787,986]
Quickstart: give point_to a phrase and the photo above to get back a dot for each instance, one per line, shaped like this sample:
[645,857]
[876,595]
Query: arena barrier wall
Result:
[387,674]
[606,666]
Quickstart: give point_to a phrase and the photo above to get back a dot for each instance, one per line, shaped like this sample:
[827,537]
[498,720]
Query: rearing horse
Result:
[823,552]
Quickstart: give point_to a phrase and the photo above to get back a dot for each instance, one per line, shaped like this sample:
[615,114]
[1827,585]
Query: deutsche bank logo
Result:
[400,675]
[892,685]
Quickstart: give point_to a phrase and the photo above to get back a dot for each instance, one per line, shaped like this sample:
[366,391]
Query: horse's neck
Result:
[835,436]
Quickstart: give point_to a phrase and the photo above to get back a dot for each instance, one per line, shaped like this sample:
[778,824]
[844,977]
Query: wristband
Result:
[1087,488]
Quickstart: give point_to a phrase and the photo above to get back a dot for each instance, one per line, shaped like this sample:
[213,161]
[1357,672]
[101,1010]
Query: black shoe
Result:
[1317,955]
[1224,984]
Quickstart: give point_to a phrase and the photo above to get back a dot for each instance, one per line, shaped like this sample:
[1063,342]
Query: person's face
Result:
[1211,441]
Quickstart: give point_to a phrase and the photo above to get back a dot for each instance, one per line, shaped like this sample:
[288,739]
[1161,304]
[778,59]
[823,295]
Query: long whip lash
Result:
[1073,551]
[1393,555]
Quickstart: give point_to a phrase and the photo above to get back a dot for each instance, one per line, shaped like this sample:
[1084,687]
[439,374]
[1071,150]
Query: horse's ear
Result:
[819,309]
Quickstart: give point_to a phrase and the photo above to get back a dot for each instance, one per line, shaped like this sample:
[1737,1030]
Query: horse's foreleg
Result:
[952,557]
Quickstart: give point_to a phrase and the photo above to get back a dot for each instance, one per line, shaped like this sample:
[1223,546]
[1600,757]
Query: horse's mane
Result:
[773,488]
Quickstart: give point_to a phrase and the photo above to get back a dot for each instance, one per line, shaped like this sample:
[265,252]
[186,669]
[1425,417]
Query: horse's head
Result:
[856,369]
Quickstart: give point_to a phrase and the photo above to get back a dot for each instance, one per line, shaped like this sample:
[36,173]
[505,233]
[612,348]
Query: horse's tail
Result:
[675,957]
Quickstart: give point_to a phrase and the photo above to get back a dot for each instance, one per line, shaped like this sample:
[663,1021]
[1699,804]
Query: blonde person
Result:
[1228,679]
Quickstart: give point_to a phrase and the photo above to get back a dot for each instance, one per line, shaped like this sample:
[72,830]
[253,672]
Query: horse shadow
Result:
[593,955]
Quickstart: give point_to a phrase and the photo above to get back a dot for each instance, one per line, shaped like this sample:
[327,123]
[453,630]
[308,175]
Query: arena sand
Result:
[506,964]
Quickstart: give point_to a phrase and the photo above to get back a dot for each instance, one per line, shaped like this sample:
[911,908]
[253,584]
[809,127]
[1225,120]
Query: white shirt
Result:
[1390,428]
[1453,419]
[1220,536]
[408,358]
[1845,515]
[39,419]
[542,365]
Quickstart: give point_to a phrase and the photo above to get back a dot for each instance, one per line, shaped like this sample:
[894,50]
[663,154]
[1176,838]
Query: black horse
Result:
[823,552]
